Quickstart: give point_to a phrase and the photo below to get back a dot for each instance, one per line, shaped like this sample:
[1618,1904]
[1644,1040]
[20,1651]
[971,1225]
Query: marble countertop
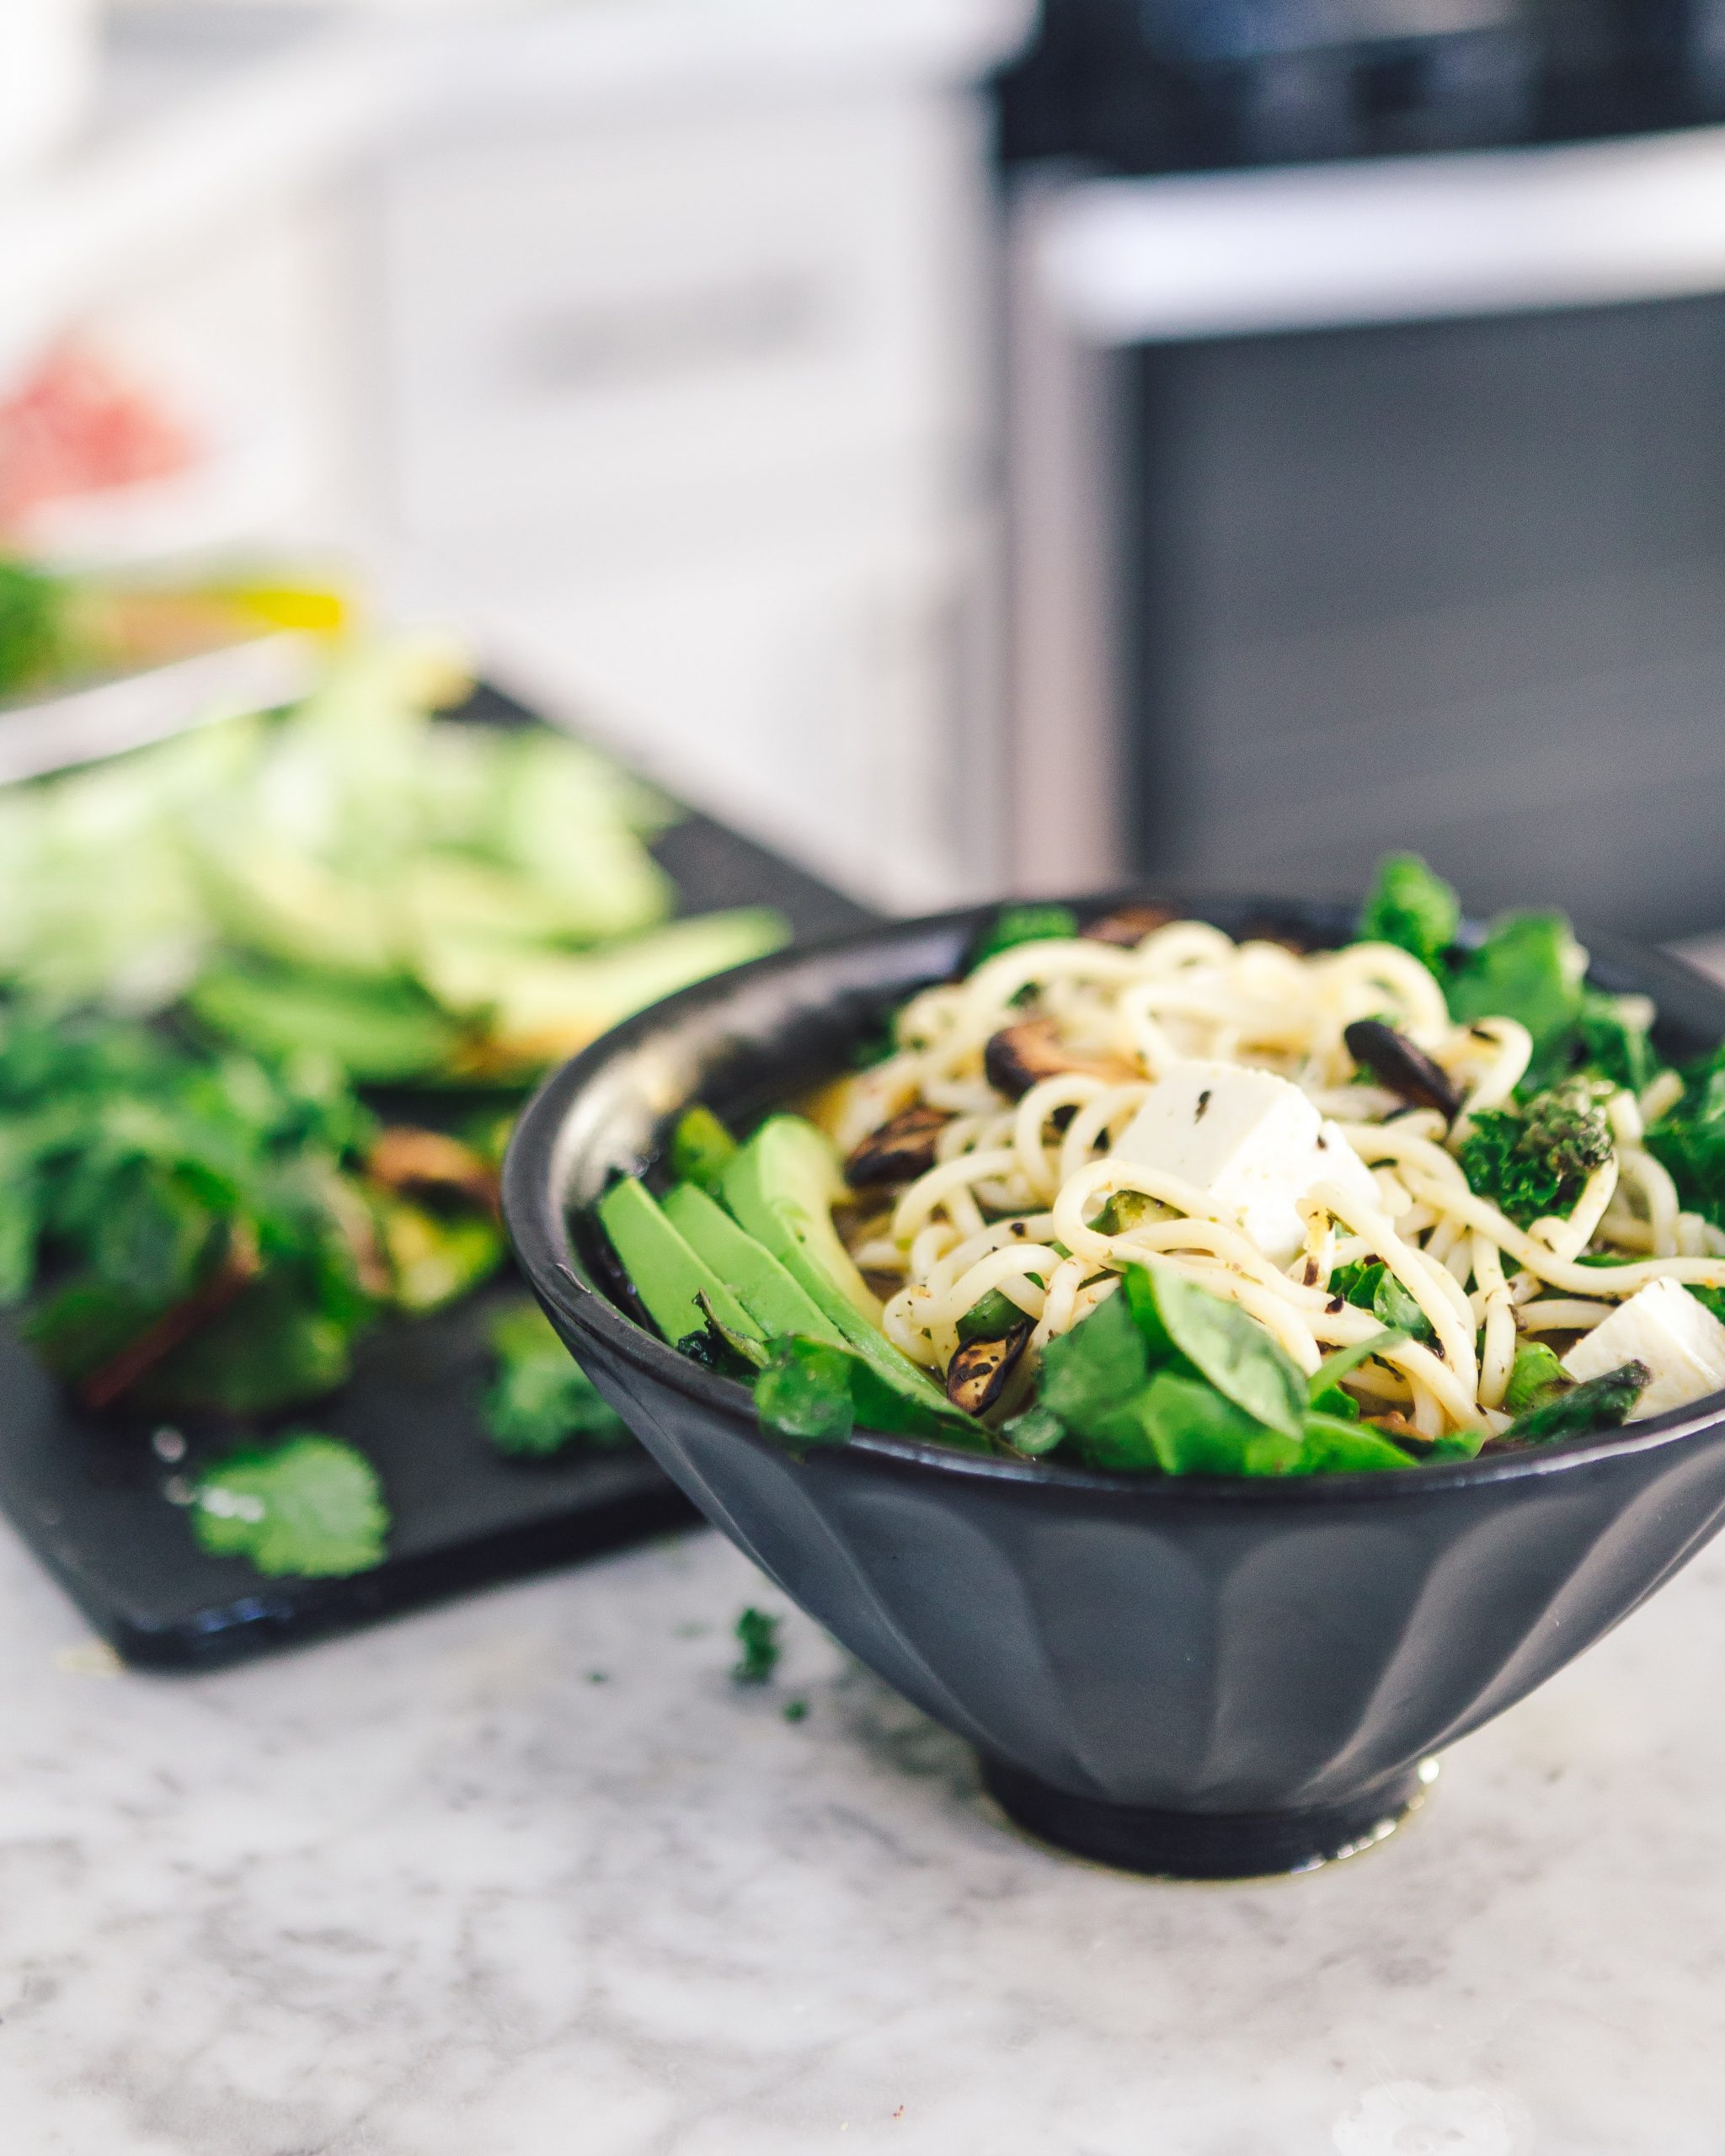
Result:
[528,1876]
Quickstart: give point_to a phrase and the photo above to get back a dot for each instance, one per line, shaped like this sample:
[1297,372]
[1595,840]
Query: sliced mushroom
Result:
[899,1151]
[1395,1063]
[977,1375]
[1128,925]
[1019,1057]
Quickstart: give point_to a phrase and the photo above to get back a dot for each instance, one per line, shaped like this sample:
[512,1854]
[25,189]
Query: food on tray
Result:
[269,993]
[1134,1195]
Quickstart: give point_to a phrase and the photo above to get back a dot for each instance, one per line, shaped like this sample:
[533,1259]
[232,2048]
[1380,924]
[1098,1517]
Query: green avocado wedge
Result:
[755,1276]
[781,1187]
[666,1272]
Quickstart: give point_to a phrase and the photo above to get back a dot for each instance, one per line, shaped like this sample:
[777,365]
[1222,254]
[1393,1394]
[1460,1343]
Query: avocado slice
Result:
[666,1274]
[762,1284]
[781,1187]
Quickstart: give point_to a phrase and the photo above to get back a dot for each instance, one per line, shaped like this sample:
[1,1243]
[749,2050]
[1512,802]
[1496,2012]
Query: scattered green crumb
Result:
[757,1634]
[599,1676]
[796,1710]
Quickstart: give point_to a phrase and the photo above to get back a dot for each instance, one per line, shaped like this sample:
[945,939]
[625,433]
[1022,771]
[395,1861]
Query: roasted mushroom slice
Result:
[1128,925]
[977,1375]
[1019,1057]
[1397,1065]
[899,1151]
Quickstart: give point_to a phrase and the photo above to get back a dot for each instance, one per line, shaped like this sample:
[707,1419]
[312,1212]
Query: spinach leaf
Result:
[1089,1372]
[1178,1425]
[1690,1140]
[1325,1379]
[1396,1311]
[1335,1447]
[1228,1349]
[1412,908]
[1529,968]
[1612,1045]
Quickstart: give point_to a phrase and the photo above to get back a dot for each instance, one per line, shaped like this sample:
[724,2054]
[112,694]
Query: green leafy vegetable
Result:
[540,1401]
[1530,968]
[1690,1139]
[700,1148]
[1600,1403]
[757,1635]
[803,1393]
[1181,1425]
[309,1507]
[810,1392]
[32,634]
[1029,923]
[1037,1430]
[1536,1378]
[1332,1446]
[1230,1351]
[1089,1372]
[991,1318]
[1535,1160]
[1412,908]
[1323,1384]
[1615,1042]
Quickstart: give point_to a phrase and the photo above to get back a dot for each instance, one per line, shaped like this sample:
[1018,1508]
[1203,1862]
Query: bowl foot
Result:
[1205,1844]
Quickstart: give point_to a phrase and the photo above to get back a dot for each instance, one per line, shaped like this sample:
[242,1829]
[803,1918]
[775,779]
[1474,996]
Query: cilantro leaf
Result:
[1412,908]
[308,1507]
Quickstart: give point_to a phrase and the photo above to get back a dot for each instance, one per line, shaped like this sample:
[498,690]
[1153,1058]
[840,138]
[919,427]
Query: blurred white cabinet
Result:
[691,407]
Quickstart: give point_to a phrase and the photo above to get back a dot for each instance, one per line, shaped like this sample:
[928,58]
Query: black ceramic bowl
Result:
[1195,1677]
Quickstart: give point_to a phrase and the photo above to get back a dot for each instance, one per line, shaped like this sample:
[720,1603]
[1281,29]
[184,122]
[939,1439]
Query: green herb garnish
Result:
[540,1401]
[757,1635]
[308,1507]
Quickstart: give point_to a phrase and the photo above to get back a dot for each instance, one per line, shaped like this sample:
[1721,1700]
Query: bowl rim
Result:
[537,1228]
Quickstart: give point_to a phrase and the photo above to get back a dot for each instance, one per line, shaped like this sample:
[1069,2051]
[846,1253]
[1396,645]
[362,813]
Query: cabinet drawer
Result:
[584,331]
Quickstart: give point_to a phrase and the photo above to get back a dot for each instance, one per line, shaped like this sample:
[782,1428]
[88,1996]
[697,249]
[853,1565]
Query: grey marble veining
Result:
[437,1890]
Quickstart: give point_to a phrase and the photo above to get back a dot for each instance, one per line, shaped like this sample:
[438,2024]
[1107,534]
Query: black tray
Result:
[95,1499]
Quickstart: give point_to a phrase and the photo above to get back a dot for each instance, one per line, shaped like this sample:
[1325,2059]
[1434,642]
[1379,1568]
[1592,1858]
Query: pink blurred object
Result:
[78,426]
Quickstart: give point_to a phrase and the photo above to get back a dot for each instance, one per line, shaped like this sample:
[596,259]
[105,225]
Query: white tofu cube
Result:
[1663,1326]
[1250,1140]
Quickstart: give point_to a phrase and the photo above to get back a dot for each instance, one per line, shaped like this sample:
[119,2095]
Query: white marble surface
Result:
[433,1890]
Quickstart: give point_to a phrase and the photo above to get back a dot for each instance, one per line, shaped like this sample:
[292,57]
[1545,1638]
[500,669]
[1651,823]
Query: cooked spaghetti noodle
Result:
[1023,1197]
